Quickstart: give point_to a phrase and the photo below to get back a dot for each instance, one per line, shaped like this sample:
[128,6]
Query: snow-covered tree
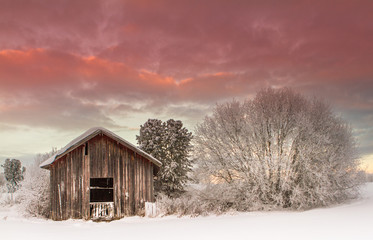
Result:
[13,172]
[280,149]
[34,194]
[2,179]
[169,142]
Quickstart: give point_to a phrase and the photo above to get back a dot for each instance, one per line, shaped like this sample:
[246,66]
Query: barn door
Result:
[101,198]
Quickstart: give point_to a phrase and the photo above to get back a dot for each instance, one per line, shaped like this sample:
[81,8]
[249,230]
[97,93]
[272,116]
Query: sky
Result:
[66,66]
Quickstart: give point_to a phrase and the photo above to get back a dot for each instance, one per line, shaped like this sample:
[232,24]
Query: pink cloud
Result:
[102,55]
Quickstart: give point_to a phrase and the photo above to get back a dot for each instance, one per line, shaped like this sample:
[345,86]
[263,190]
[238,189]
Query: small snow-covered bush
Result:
[211,199]
[369,177]
[185,204]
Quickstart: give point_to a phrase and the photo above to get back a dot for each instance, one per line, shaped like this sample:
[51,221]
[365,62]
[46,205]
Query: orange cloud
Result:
[78,57]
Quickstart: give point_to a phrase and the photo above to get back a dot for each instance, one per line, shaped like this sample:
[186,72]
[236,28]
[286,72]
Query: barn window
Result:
[101,190]
[86,149]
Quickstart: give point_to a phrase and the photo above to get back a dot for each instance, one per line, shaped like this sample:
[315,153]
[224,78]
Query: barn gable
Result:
[89,134]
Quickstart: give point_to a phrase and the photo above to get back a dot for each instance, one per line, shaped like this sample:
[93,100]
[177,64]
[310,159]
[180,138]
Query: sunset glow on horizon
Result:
[66,66]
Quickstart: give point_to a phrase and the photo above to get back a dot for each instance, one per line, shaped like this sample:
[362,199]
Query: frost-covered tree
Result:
[170,143]
[280,149]
[34,194]
[13,172]
[2,179]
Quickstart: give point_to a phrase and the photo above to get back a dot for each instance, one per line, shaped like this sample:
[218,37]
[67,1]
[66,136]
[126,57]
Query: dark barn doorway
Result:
[101,198]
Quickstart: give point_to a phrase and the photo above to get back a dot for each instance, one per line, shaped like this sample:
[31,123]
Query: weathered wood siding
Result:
[70,179]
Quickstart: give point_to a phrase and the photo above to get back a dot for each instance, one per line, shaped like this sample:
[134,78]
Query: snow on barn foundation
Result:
[99,175]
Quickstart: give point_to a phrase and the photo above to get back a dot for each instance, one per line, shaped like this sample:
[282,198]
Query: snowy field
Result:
[348,221]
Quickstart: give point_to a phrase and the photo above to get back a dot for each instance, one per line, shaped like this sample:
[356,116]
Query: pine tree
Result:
[13,174]
[169,142]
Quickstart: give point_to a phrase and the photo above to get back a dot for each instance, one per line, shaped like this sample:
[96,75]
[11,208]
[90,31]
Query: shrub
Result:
[34,195]
[280,149]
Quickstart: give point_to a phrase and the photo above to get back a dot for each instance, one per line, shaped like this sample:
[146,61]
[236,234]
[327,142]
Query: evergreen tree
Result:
[169,142]
[13,174]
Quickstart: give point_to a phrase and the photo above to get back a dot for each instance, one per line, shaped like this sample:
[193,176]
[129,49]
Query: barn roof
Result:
[89,134]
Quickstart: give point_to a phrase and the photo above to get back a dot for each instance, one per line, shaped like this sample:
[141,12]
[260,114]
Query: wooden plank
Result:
[52,193]
[118,181]
[83,174]
[63,186]
[60,170]
[94,167]
[79,183]
[132,183]
[78,180]
[58,181]
[147,181]
[64,202]
[51,196]
[96,156]
[96,163]
[136,183]
[72,181]
[115,181]
[150,180]
[79,189]
[68,184]
[100,162]
[112,158]
[56,192]
[108,163]
[105,160]
[141,182]
[86,176]
[152,183]
[62,189]
[91,146]
[75,182]
[121,175]
[126,183]
[113,161]
[75,176]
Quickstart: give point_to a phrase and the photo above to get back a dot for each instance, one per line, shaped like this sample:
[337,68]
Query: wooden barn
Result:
[99,175]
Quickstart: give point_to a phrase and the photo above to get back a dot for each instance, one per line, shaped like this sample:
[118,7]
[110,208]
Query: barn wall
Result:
[67,186]
[132,175]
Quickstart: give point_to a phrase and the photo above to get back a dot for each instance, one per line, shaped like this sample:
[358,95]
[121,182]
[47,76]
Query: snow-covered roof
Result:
[89,134]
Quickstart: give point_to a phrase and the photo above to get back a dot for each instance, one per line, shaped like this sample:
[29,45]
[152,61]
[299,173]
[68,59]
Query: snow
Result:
[89,134]
[348,221]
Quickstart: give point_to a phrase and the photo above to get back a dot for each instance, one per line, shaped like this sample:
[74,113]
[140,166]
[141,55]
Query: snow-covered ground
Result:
[348,221]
